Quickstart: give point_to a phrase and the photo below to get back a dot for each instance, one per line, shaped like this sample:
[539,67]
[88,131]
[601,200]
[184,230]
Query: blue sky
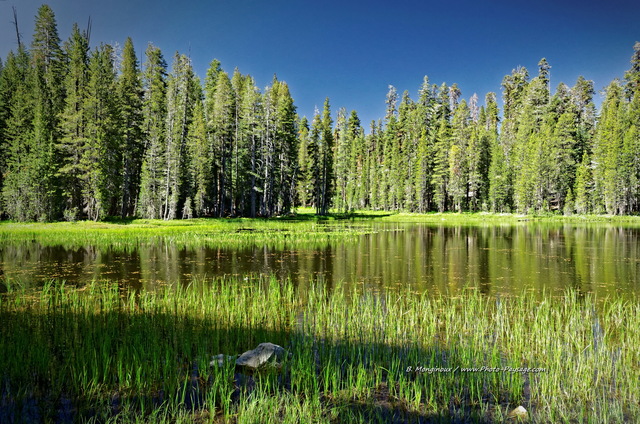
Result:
[352,51]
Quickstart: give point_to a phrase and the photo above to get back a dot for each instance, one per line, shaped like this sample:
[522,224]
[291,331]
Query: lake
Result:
[494,258]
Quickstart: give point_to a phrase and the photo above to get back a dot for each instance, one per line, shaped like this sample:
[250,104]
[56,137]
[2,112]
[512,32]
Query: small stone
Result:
[259,356]
[519,412]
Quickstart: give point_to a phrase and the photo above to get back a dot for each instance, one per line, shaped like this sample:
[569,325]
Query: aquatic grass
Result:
[299,230]
[112,354]
[239,232]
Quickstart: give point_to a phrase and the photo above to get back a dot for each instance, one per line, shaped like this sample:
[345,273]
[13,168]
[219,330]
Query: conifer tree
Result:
[130,97]
[200,161]
[356,167]
[341,160]
[252,124]
[73,125]
[222,131]
[478,157]
[19,153]
[607,150]
[304,185]
[583,186]
[179,113]
[457,155]
[425,131]
[442,139]
[48,95]
[321,152]
[286,132]
[150,204]
[101,154]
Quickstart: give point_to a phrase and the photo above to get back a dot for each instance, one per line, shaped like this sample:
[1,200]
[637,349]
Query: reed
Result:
[103,353]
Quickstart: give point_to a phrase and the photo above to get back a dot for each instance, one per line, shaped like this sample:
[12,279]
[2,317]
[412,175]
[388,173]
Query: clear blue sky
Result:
[351,51]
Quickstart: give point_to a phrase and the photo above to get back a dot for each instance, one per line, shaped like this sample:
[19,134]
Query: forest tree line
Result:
[92,133]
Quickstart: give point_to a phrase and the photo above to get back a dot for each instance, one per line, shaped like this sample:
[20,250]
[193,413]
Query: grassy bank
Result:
[232,233]
[476,218]
[302,229]
[101,354]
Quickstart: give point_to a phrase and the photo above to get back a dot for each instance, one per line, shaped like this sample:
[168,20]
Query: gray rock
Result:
[265,352]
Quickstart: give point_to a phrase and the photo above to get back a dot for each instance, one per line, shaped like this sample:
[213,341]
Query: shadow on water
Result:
[44,358]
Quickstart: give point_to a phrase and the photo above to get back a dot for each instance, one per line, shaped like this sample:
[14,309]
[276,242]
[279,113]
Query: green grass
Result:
[232,233]
[303,229]
[475,218]
[104,354]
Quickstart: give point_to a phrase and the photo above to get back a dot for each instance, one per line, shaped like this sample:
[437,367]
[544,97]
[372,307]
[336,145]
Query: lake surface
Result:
[495,258]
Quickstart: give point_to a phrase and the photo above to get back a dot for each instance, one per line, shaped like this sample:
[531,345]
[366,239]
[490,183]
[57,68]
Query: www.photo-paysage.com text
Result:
[427,370]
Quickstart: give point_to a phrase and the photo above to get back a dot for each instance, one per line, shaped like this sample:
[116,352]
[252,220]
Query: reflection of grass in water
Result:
[99,352]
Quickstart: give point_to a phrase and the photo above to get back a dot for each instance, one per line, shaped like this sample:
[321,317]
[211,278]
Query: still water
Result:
[506,259]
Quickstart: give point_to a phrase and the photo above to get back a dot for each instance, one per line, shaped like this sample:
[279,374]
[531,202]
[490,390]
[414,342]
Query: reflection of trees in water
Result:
[418,257]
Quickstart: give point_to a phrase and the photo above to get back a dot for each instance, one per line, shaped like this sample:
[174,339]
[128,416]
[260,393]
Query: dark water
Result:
[508,259]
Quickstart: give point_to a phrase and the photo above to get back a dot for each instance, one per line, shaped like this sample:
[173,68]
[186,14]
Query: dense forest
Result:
[88,133]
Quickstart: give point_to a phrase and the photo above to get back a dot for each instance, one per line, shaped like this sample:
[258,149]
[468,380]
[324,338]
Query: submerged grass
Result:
[103,354]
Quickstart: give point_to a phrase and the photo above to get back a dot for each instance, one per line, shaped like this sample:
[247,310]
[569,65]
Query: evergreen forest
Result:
[91,133]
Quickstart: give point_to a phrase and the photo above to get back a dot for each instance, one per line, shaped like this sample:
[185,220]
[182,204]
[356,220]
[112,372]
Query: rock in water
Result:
[519,412]
[259,356]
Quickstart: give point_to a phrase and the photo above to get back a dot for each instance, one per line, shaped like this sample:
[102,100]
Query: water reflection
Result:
[417,257]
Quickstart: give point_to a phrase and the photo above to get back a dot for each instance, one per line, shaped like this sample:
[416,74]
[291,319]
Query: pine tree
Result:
[356,167]
[629,171]
[458,161]
[561,162]
[341,160]
[287,142]
[441,147]
[479,159]
[241,146]
[73,123]
[19,153]
[200,161]
[607,150]
[304,185]
[222,121]
[321,155]
[179,113]
[425,131]
[150,203]
[514,89]
[583,186]
[530,144]
[582,96]
[130,93]
[252,125]
[48,92]
[101,153]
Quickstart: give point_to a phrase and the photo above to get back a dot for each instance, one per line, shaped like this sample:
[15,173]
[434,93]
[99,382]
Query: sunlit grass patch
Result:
[240,232]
